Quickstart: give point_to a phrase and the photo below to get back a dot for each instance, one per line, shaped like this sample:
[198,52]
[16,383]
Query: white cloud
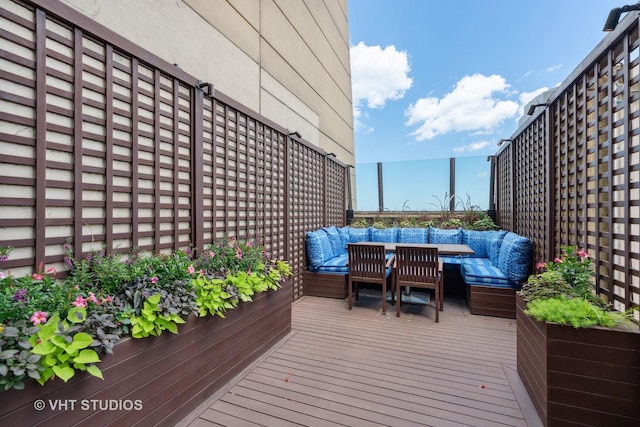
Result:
[526,97]
[475,146]
[377,76]
[553,68]
[473,105]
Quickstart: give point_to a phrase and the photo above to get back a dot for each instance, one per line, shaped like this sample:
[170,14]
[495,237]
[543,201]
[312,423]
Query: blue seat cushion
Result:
[515,257]
[440,235]
[318,248]
[335,265]
[384,235]
[359,235]
[413,235]
[485,275]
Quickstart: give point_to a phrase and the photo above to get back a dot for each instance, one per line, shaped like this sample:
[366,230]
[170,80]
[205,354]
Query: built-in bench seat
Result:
[491,276]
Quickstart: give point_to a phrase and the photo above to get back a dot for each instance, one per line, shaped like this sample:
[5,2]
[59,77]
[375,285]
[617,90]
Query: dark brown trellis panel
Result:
[107,144]
[572,176]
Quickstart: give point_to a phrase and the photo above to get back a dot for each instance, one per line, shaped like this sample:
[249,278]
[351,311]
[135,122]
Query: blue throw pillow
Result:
[493,245]
[515,257]
[384,235]
[334,239]
[477,240]
[413,235]
[318,247]
[344,238]
[439,235]
[357,235]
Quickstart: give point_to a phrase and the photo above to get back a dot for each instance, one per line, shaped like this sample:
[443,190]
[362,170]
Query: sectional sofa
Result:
[499,266]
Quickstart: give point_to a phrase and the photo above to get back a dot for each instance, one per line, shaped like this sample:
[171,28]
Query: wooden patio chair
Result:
[368,264]
[419,267]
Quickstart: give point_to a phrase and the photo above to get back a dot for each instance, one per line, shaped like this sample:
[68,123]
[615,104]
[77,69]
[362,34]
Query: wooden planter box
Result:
[492,301]
[579,376]
[325,285]
[169,375]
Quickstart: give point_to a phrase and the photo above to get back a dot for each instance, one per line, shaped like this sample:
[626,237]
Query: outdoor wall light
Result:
[296,134]
[206,87]
[533,107]
[614,16]
[503,140]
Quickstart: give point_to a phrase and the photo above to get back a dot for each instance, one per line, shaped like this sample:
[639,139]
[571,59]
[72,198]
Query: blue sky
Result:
[434,79]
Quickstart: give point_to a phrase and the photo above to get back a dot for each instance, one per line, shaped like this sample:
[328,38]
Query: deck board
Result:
[362,368]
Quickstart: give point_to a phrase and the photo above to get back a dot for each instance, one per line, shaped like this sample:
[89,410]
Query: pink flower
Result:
[39,317]
[108,298]
[191,269]
[79,302]
[51,270]
[212,254]
[2,276]
[201,271]
[239,254]
[154,279]
[583,254]
[93,298]
[541,265]
[37,276]
[249,271]
[557,260]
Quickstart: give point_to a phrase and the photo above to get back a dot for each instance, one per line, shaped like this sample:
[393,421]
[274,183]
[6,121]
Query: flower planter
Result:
[158,379]
[579,376]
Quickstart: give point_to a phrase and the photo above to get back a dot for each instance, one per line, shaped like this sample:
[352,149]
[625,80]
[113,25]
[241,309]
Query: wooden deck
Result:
[353,368]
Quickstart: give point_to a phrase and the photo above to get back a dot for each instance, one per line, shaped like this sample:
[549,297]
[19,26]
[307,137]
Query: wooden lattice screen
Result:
[576,170]
[107,144]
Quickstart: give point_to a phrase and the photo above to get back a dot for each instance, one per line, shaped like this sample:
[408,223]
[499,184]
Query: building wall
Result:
[286,59]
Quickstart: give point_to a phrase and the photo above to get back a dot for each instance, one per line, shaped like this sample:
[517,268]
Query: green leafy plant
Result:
[576,312]
[153,319]
[104,297]
[562,293]
[359,223]
[484,223]
[17,363]
[64,350]
[21,296]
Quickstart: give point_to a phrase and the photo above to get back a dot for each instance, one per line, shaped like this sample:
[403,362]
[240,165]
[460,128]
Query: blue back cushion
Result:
[384,235]
[318,247]
[343,232]
[334,239]
[515,257]
[358,235]
[493,245]
[477,240]
[413,235]
[440,235]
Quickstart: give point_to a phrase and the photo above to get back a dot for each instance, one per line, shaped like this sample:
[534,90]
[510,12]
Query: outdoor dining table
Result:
[449,249]
[443,248]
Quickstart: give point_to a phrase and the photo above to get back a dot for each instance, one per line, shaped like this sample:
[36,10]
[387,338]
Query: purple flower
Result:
[67,262]
[20,295]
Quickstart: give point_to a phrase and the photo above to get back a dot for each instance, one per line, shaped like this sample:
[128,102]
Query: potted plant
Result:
[578,359]
[119,337]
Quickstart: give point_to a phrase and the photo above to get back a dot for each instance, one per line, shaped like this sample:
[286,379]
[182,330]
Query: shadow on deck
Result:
[359,367]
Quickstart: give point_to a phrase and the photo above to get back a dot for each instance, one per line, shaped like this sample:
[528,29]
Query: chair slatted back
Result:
[367,263]
[416,265]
